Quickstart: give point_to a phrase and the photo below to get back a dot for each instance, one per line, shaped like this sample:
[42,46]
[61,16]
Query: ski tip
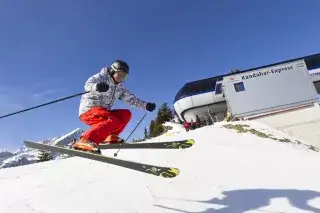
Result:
[187,144]
[176,171]
[170,173]
[190,141]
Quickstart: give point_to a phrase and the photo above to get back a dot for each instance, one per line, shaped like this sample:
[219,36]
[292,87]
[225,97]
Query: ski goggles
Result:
[122,75]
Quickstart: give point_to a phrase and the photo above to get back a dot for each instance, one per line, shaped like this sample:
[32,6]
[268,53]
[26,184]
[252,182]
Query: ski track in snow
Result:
[224,172]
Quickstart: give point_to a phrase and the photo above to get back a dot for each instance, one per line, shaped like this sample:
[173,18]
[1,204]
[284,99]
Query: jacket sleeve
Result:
[131,99]
[101,76]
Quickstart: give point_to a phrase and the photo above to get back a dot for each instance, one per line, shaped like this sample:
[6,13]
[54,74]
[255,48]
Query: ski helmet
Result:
[119,65]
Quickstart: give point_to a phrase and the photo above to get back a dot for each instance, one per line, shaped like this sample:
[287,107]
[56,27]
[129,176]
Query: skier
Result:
[95,107]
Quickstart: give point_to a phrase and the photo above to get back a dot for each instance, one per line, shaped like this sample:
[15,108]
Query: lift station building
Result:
[283,95]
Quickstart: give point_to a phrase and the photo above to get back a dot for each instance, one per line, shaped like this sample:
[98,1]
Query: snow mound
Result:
[265,131]
[176,128]
[229,169]
[25,155]
[173,129]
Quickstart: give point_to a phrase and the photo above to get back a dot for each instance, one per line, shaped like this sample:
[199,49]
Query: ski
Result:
[160,171]
[181,144]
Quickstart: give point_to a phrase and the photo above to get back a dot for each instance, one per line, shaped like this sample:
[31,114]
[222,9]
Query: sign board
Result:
[260,73]
[269,88]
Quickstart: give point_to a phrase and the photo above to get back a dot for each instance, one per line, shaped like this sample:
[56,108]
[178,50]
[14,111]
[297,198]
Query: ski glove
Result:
[150,106]
[102,87]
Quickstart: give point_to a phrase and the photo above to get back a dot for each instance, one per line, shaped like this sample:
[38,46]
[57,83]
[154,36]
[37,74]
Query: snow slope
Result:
[25,155]
[225,172]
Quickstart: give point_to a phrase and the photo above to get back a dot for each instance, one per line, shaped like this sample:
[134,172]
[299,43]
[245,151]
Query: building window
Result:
[218,89]
[239,87]
[312,62]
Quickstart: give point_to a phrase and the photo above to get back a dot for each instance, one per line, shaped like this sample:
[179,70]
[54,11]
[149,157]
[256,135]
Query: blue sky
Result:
[48,49]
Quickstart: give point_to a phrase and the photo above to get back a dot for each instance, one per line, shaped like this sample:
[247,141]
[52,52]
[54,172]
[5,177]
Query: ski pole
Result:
[41,105]
[116,153]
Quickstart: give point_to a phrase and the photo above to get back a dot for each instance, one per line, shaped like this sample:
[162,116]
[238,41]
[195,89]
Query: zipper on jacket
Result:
[114,91]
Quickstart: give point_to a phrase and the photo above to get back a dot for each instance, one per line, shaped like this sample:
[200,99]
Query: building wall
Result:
[301,123]
[270,88]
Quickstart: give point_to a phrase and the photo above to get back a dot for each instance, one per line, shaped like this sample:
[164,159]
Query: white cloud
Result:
[8,104]
[14,99]
[47,92]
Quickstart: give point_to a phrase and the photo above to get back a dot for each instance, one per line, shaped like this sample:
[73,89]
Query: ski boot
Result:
[113,139]
[85,145]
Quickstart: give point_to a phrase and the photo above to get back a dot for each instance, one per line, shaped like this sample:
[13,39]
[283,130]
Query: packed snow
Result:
[224,172]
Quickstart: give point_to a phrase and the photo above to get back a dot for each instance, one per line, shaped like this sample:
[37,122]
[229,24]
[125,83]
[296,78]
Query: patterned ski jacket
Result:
[106,99]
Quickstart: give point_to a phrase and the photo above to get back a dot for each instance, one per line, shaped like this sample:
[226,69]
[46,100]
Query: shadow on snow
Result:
[238,201]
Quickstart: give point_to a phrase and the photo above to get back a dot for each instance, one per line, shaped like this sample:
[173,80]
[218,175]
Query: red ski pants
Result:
[104,122]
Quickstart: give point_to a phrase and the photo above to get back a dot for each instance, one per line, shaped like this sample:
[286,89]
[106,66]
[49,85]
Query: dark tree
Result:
[44,156]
